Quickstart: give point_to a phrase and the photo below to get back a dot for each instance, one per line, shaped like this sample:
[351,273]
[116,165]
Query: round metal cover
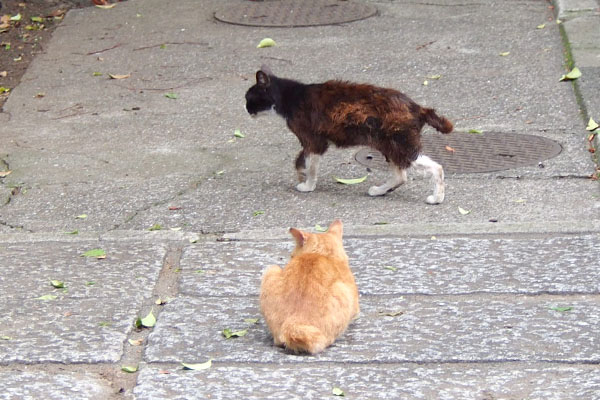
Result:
[290,13]
[466,153]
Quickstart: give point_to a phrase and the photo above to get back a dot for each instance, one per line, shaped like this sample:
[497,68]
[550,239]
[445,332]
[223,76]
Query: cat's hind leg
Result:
[307,165]
[398,178]
[437,177]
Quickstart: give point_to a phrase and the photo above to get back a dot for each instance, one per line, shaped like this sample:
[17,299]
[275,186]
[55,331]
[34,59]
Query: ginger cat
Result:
[311,301]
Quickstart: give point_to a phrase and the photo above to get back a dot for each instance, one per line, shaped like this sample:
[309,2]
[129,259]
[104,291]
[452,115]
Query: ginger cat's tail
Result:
[302,338]
[441,124]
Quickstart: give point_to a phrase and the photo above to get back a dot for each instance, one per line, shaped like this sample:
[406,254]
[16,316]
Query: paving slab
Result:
[372,381]
[483,328]
[86,321]
[396,266]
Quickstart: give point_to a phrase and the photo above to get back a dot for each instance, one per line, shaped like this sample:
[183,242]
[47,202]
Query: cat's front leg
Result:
[308,171]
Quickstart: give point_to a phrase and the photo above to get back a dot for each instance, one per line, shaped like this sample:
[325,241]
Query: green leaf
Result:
[37,19]
[82,216]
[104,324]
[148,321]
[381,223]
[266,42]
[462,211]
[4,90]
[135,342]
[16,17]
[5,338]
[75,232]
[319,228]
[391,268]
[238,133]
[350,181]
[257,213]
[541,26]
[476,131]
[57,284]
[90,283]
[46,297]
[504,53]
[155,227]
[171,95]
[562,309]
[228,333]
[337,392]
[572,75]
[98,253]
[129,369]
[592,125]
[435,77]
[197,367]
[251,320]
[97,74]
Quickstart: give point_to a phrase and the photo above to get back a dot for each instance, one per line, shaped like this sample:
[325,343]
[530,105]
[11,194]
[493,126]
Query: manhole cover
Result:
[287,13]
[465,153]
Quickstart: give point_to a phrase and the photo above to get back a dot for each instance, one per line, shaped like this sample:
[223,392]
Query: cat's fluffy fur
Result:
[311,301]
[348,114]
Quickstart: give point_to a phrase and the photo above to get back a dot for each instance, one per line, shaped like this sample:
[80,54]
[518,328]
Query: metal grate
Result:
[467,153]
[292,13]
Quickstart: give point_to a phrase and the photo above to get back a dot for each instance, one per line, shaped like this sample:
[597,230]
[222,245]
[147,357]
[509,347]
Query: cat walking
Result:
[311,301]
[348,114]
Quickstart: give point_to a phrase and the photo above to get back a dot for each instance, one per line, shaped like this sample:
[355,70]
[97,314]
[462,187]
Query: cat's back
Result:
[307,271]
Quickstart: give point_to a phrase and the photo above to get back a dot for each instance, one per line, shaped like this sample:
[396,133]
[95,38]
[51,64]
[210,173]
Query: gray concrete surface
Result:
[453,306]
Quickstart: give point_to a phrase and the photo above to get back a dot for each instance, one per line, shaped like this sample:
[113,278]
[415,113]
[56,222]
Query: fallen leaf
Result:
[75,232]
[37,19]
[97,253]
[435,77]
[476,131]
[4,173]
[562,309]
[450,149]
[3,74]
[337,392]
[463,211]
[505,53]
[381,223]
[520,201]
[425,83]
[572,75]
[5,338]
[90,283]
[228,333]
[159,302]
[147,322]
[46,297]
[171,95]
[155,227]
[117,76]
[197,367]
[391,268]
[57,284]
[350,181]
[4,89]
[238,133]
[135,342]
[164,371]
[319,228]
[257,213]
[97,74]
[16,17]
[391,313]
[129,369]
[106,6]
[82,216]
[251,320]
[266,42]
[541,26]
[591,126]
[104,324]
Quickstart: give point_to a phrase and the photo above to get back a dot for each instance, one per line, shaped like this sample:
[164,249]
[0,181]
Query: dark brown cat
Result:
[348,114]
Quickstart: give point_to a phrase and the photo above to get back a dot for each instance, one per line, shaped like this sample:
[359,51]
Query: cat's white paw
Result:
[305,187]
[434,199]
[377,191]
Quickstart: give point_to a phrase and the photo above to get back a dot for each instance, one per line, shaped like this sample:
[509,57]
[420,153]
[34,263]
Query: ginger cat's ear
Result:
[336,228]
[299,236]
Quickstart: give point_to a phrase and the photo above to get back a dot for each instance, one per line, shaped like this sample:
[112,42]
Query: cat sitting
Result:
[348,114]
[311,301]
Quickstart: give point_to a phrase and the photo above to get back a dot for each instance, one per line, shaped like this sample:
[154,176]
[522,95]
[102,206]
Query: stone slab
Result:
[372,381]
[396,266]
[89,319]
[18,384]
[430,329]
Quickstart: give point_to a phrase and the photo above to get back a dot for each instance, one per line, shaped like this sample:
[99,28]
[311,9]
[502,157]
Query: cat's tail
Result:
[302,338]
[441,124]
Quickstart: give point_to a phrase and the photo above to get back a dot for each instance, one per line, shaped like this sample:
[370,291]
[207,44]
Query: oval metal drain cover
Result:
[467,153]
[288,13]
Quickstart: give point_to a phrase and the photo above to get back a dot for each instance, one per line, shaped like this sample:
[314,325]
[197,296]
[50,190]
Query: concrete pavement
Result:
[497,301]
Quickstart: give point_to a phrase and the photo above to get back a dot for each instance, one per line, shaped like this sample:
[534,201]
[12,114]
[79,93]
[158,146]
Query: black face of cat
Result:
[258,97]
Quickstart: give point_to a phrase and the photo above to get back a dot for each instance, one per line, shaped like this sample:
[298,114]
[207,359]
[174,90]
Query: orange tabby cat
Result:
[311,301]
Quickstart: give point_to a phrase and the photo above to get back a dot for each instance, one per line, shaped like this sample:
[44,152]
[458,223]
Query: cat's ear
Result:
[336,228]
[265,68]
[299,236]
[262,79]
